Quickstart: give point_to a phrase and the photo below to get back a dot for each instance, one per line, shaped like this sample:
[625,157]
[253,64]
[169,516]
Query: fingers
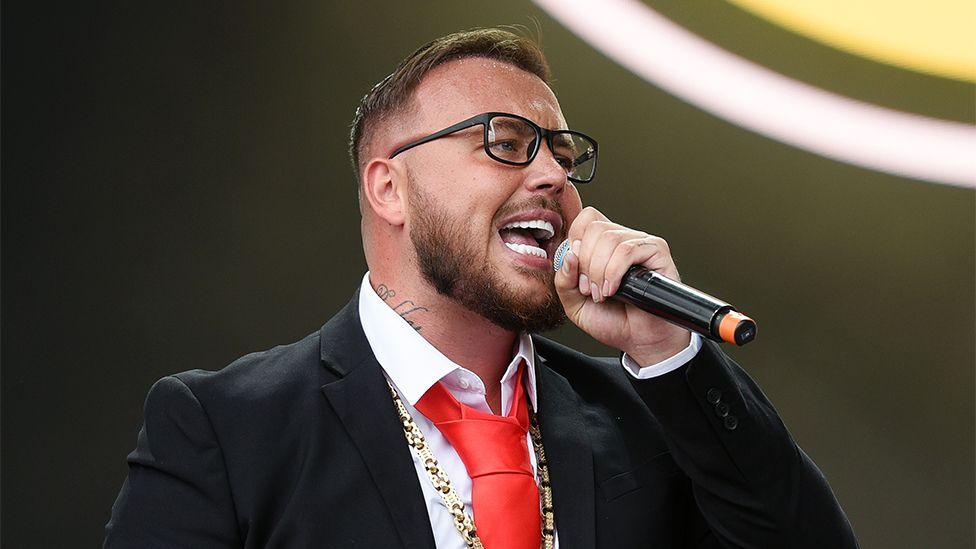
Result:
[649,251]
[604,251]
[598,246]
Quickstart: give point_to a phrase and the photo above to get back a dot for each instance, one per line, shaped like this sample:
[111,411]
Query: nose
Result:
[545,174]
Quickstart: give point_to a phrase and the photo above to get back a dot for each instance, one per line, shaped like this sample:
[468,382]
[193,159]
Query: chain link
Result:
[439,479]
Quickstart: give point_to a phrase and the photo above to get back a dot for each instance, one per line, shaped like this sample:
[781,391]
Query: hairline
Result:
[411,105]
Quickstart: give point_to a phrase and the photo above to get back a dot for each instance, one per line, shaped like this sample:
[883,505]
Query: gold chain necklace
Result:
[442,484]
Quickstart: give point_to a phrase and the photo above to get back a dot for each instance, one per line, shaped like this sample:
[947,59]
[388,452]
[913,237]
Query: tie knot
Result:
[486,443]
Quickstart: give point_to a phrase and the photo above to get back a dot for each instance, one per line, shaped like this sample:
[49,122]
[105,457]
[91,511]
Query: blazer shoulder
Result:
[279,372]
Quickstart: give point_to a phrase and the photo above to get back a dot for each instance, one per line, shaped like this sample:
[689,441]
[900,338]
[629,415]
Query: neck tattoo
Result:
[404,308]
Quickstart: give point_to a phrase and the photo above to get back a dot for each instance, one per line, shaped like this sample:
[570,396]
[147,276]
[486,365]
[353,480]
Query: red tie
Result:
[495,453]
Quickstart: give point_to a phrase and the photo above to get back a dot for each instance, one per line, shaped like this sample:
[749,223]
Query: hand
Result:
[602,251]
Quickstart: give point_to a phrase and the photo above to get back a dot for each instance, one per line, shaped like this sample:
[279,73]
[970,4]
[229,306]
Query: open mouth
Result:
[529,237]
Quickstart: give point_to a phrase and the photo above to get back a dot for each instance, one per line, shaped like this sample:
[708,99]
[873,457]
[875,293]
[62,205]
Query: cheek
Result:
[572,204]
[463,179]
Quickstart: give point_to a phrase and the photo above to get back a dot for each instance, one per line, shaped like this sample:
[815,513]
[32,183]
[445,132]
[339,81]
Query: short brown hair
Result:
[392,93]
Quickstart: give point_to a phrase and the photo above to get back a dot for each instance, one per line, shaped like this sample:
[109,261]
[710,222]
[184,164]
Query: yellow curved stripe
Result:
[933,36]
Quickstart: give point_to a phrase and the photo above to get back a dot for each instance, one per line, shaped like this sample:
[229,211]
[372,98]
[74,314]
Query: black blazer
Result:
[300,446]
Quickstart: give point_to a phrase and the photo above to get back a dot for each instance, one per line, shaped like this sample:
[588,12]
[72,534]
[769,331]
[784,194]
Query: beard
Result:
[450,261]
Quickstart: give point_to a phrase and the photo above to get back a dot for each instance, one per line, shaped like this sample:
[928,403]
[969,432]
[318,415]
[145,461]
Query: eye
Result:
[508,145]
[565,162]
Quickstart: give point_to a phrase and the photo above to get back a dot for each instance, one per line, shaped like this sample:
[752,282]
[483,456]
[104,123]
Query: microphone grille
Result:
[559,255]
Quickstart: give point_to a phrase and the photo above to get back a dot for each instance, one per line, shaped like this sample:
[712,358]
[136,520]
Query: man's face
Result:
[463,204]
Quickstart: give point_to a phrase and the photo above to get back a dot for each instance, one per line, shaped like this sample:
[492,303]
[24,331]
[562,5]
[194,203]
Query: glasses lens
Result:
[511,140]
[576,153]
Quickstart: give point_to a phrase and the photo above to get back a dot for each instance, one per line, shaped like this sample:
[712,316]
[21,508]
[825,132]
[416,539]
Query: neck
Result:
[464,337]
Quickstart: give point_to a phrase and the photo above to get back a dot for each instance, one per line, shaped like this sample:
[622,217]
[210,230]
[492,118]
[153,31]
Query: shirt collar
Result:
[413,364]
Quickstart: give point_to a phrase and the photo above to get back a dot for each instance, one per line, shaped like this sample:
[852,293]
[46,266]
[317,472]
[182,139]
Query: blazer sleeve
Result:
[753,485]
[177,493]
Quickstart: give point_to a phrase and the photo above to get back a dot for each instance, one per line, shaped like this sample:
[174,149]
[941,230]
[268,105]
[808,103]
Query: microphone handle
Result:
[685,306]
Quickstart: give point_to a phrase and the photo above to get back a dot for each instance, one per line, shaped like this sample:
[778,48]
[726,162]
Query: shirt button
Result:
[464,383]
[713,396]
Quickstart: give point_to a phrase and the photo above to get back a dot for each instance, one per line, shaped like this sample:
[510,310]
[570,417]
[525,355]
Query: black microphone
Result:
[678,303]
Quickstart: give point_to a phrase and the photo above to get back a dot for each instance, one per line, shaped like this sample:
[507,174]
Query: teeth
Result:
[539,224]
[525,249]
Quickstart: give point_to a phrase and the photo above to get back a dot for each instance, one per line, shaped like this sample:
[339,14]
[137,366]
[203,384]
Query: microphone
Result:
[678,303]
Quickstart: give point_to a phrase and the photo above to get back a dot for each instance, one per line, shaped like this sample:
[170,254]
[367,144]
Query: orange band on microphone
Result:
[726,328]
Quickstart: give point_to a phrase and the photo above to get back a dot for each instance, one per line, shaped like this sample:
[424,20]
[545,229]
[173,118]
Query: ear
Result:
[384,190]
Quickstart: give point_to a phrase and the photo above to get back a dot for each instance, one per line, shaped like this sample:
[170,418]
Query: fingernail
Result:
[606,288]
[584,285]
[595,293]
[576,247]
[566,264]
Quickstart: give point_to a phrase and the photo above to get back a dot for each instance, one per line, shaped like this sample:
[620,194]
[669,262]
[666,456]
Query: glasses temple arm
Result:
[464,124]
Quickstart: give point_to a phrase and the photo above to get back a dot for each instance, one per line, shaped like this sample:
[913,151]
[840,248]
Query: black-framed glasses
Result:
[514,140]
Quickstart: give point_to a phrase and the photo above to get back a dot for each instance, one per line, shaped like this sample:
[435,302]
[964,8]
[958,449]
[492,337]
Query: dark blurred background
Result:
[176,193]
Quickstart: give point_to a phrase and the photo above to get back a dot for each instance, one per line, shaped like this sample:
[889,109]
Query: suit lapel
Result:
[570,459]
[362,402]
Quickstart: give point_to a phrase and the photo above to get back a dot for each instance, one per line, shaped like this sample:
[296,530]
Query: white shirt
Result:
[413,365]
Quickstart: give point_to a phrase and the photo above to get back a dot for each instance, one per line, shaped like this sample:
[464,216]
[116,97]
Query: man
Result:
[425,414]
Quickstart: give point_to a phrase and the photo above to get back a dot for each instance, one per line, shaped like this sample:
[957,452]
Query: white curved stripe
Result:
[764,101]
